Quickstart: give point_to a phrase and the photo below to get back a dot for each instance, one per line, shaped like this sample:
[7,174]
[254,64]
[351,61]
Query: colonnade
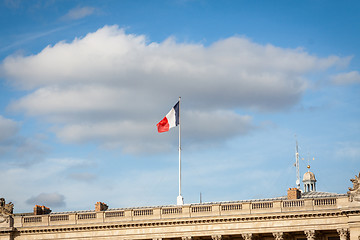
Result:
[341,234]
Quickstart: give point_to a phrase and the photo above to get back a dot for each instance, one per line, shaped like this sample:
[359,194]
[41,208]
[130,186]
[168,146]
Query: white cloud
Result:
[198,127]
[78,13]
[83,176]
[112,87]
[8,129]
[346,78]
[203,125]
[47,199]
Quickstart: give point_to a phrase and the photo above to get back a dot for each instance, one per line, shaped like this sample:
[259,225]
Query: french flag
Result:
[172,119]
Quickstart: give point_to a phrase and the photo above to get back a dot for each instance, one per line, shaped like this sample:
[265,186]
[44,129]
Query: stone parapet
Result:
[279,219]
[185,211]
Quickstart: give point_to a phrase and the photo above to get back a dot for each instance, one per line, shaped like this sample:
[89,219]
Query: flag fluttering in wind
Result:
[171,119]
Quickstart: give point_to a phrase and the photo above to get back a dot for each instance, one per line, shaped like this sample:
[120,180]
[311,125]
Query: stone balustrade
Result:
[185,211]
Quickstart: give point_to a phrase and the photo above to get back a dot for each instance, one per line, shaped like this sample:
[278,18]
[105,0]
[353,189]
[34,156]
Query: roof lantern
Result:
[309,181]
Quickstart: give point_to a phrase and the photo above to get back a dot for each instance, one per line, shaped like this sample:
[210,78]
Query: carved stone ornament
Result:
[343,233]
[310,234]
[278,235]
[216,237]
[6,210]
[354,192]
[247,236]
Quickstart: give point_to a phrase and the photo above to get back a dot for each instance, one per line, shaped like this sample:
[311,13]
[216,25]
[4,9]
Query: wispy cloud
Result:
[34,181]
[8,129]
[346,151]
[78,13]
[14,147]
[346,78]
[83,176]
[25,38]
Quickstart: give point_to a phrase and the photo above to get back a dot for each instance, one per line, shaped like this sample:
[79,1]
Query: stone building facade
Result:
[304,215]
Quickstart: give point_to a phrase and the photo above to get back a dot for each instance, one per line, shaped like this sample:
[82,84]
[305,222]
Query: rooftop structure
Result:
[308,215]
[309,181]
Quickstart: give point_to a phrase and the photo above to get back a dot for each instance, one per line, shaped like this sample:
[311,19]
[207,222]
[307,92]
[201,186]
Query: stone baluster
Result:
[310,234]
[278,235]
[216,237]
[247,236]
[343,233]
[186,238]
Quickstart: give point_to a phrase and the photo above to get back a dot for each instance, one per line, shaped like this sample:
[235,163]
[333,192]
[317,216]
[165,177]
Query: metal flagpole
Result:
[180,199]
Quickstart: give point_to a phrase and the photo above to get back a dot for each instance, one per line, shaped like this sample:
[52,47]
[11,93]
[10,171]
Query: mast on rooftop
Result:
[297,165]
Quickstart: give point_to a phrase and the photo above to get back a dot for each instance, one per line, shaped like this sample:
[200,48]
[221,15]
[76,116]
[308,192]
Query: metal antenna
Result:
[297,165]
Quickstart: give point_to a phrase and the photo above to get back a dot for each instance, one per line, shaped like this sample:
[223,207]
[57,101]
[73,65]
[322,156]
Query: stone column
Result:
[343,233]
[216,237]
[278,235]
[310,234]
[247,236]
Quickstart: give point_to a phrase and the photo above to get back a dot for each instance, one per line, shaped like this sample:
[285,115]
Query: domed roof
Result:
[309,176]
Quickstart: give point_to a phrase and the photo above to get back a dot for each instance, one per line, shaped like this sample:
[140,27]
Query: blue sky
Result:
[83,84]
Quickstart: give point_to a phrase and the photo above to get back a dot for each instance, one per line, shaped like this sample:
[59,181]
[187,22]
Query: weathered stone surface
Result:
[354,192]
[315,216]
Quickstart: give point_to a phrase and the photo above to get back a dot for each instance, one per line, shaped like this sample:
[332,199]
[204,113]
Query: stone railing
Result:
[293,203]
[85,216]
[173,210]
[185,211]
[114,214]
[262,205]
[57,218]
[197,209]
[231,207]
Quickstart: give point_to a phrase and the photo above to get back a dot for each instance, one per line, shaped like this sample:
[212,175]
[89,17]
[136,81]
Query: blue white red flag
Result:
[171,119]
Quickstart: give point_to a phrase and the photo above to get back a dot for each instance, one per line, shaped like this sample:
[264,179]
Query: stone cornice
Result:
[176,222]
